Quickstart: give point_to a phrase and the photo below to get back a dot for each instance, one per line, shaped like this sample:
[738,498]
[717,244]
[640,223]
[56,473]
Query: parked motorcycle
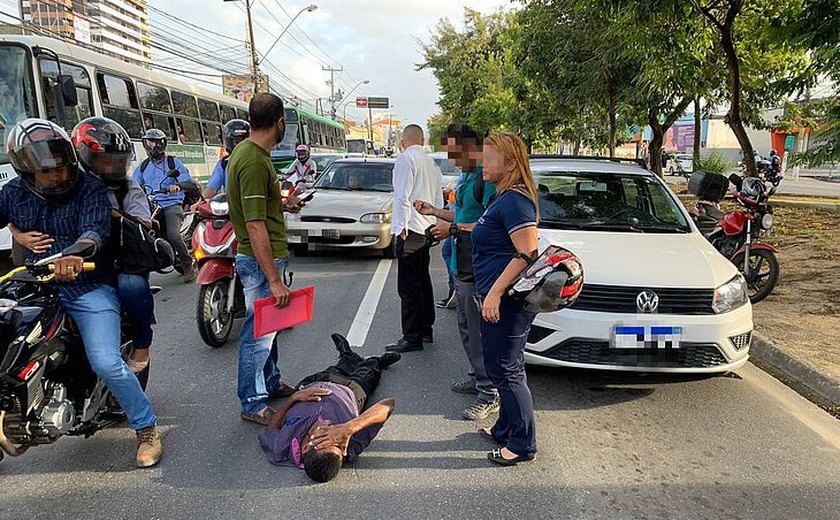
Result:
[47,387]
[187,225]
[766,171]
[221,298]
[737,233]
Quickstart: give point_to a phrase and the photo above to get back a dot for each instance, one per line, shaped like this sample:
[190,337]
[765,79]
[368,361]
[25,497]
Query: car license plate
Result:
[333,234]
[630,337]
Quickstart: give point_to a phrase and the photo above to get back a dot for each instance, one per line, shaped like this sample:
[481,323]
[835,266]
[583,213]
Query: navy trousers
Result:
[504,359]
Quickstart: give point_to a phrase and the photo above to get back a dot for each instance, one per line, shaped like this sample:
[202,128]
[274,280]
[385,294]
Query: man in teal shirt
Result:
[464,148]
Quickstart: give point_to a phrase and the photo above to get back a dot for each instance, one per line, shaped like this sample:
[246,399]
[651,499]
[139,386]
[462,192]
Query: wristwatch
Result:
[453,229]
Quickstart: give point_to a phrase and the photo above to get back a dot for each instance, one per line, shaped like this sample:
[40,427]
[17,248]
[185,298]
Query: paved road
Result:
[808,186]
[741,446]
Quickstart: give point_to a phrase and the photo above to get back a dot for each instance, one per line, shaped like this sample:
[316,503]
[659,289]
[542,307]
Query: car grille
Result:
[590,352]
[330,220]
[741,341]
[537,334]
[622,299]
[323,240]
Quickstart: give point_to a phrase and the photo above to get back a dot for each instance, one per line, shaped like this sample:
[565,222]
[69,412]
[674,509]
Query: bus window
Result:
[228,113]
[184,104]
[17,93]
[189,131]
[212,133]
[162,122]
[209,110]
[154,98]
[119,102]
[84,109]
[242,114]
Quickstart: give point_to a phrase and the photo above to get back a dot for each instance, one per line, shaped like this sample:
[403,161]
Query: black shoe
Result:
[389,358]
[341,344]
[403,345]
[448,302]
[496,457]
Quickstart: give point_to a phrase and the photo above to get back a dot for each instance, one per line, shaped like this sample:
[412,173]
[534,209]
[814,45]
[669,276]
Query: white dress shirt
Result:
[416,177]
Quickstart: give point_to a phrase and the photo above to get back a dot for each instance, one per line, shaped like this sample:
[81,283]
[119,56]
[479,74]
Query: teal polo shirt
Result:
[467,209]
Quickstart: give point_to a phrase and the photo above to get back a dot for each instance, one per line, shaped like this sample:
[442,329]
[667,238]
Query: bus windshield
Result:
[17,100]
[290,138]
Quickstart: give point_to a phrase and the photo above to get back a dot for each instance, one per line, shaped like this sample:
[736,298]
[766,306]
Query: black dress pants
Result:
[360,375]
[414,285]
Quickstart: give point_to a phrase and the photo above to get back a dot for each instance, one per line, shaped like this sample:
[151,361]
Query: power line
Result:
[201,29]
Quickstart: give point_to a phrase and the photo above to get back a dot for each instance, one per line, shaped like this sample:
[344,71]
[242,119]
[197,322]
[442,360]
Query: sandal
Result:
[487,434]
[282,391]
[263,417]
[496,457]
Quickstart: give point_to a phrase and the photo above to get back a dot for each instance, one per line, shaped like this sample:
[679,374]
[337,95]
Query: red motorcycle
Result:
[221,298]
[737,233]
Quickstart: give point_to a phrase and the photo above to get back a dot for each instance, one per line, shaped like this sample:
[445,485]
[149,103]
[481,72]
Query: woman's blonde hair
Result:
[513,149]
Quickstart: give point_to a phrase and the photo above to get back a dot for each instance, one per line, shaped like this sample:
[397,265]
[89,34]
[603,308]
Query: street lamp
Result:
[359,84]
[308,9]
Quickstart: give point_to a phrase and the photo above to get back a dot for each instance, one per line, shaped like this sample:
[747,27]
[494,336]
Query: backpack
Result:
[170,161]
[136,248]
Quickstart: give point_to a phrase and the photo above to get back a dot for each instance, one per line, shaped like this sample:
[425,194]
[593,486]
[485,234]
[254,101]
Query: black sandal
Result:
[495,456]
[487,434]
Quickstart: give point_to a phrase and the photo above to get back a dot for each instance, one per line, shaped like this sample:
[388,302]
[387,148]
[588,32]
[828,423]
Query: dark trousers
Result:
[173,217]
[414,285]
[360,375]
[504,359]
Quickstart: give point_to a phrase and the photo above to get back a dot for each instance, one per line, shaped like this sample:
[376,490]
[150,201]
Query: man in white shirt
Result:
[416,177]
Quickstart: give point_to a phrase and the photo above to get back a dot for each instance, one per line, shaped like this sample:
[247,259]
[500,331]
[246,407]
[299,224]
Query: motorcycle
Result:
[47,387]
[766,171]
[188,223]
[737,233]
[221,298]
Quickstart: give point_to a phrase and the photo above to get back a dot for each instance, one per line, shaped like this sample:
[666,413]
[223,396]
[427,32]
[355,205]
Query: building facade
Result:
[119,28]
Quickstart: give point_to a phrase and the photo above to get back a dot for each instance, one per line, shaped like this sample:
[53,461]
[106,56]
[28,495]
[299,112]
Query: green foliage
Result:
[714,163]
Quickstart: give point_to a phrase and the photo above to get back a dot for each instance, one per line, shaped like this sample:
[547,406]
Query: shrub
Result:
[714,163]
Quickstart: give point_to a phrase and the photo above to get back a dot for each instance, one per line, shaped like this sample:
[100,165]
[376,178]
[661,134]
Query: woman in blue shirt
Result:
[504,238]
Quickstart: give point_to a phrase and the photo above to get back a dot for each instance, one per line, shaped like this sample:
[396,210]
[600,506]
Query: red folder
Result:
[268,318]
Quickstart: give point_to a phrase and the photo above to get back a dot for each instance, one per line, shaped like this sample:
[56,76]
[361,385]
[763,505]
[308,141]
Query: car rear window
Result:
[359,176]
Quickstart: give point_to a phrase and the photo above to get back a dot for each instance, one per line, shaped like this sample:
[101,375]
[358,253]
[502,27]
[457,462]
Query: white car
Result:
[657,297]
[680,164]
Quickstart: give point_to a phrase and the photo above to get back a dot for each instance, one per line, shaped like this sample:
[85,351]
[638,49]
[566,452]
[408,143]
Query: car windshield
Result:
[446,166]
[322,161]
[608,202]
[17,100]
[357,177]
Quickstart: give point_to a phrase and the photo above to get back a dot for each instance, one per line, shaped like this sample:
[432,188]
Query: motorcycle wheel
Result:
[763,275]
[214,324]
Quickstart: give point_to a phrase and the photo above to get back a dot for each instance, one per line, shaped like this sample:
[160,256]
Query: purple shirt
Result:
[281,445]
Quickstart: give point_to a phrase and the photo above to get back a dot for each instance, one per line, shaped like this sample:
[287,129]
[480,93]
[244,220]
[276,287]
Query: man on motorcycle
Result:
[153,175]
[104,150]
[234,132]
[303,169]
[51,196]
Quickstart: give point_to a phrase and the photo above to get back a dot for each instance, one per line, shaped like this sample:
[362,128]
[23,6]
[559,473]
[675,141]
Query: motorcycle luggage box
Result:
[708,186]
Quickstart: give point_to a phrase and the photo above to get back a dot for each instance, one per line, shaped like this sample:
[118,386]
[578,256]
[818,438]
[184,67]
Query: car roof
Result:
[571,164]
[362,160]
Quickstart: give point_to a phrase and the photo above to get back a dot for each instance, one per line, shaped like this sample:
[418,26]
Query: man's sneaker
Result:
[149,447]
[189,273]
[481,410]
[465,387]
[448,302]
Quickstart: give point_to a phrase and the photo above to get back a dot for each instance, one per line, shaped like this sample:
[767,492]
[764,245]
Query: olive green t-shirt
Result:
[254,194]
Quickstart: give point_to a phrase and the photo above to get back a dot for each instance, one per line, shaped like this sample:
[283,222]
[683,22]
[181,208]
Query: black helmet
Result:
[550,283]
[103,148]
[37,146]
[154,141]
[234,132]
[751,191]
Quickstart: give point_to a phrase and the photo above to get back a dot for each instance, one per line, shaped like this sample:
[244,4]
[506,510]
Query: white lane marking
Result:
[364,316]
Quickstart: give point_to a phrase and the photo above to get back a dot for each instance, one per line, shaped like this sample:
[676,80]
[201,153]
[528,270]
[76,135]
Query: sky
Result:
[375,40]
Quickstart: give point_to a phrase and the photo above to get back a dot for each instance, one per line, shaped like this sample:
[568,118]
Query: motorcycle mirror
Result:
[82,249]
[187,186]
[736,180]
[173,173]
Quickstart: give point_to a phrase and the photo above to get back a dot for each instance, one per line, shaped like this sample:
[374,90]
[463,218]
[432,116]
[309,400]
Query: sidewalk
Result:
[804,186]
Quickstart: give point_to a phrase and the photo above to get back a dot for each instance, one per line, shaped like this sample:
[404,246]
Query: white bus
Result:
[52,79]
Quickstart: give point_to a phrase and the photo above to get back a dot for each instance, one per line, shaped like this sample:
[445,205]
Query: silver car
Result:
[352,208]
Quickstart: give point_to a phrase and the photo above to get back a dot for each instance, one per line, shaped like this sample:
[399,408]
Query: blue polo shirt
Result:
[155,177]
[493,248]
[217,178]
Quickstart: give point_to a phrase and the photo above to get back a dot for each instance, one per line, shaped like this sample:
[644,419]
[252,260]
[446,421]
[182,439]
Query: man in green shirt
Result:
[256,210]
[464,147]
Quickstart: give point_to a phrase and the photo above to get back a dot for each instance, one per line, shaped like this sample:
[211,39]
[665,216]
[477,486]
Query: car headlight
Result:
[767,221]
[375,218]
[731,295]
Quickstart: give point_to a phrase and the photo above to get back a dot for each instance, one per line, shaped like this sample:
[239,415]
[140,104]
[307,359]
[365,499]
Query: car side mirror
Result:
[83,249]
[67,87]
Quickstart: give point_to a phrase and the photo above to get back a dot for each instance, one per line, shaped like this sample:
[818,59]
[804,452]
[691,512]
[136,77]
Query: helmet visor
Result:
[110,166]
[39,156]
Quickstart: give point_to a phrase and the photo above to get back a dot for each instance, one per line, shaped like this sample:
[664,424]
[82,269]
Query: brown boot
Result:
[149,447]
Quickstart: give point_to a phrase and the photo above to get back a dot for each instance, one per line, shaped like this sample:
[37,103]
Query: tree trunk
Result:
[655,144]
[613,129]
[576,147]
[698,123]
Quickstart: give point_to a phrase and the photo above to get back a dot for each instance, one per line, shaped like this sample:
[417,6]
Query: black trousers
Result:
[360,375]
[414,285]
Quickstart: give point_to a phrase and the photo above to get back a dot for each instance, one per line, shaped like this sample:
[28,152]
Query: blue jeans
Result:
[259,374]
[97,315]
[139,306]
[446,252]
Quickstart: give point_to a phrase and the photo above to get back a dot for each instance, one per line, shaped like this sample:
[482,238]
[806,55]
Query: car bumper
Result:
[583,339]
[321,234]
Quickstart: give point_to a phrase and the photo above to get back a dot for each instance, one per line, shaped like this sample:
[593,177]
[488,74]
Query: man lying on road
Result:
[319,426]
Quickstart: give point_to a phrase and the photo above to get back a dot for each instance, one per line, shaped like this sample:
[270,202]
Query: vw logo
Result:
[647,302]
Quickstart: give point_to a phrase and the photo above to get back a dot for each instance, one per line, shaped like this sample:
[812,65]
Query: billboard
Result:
[379,102]
[81,28]
[242,87]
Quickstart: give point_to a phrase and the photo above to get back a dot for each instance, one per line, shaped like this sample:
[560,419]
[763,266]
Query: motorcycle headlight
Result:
[375,218]
[218,208]
[767,221]
[731,295]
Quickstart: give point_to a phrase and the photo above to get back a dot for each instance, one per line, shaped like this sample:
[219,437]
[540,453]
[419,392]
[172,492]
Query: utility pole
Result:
[332,72]
[255,62]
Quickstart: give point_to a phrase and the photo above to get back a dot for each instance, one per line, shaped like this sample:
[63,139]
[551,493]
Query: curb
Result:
[815,379]
[822,206]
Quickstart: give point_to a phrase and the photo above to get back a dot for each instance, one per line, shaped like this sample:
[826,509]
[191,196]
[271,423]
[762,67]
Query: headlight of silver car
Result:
[375,218]
[731,295]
